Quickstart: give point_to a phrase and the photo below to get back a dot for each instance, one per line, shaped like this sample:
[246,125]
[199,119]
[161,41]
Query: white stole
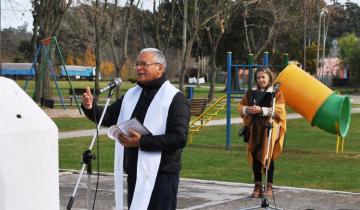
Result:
[148,162]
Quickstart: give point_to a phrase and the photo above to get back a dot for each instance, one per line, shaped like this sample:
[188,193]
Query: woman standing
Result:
[256,110]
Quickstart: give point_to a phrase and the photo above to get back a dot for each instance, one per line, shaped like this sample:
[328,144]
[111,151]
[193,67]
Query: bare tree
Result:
[97,23]
[200,14]
[245,15]
[103,22]
[120,63]
[269,18]
[171,27]
[47,16]
[195,21]
[143,37]
[183,51]
[216,28]
[279,16]
[157,19]
[164,24]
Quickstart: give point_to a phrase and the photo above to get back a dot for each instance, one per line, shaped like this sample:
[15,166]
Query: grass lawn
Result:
[308,160]
[200,92]
[72,124]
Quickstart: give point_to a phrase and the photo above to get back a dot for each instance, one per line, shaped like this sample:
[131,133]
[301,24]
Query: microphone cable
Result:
[97,151]
[273,197]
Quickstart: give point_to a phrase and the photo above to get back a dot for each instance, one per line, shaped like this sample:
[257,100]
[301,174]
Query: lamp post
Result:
[322,13]
[325,27]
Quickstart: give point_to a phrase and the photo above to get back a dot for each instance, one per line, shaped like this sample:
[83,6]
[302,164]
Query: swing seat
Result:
[47,102]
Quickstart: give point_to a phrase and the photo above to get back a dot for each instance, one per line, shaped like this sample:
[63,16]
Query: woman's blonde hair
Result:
[268,72]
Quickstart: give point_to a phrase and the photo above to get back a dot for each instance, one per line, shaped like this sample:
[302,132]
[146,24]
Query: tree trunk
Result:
[143,38]
[172,23]
[116,61]
[45,90]
[246,29]
[157,20]
[186,60]
[97,47]
[113,48]
[214,40]
[34,38]
[212,74]
[183,52]
[124,55]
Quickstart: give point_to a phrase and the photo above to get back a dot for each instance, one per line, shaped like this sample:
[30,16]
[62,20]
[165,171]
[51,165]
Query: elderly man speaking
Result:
[152,161]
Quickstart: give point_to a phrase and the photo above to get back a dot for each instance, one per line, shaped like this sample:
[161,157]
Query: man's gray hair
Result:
[159,56]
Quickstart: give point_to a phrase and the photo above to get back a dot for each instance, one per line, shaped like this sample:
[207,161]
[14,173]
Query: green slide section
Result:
[333,115]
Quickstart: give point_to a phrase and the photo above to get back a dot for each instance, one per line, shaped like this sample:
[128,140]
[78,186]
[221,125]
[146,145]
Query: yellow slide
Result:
[314,101]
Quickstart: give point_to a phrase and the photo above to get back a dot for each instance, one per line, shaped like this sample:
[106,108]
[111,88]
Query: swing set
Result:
[45,46]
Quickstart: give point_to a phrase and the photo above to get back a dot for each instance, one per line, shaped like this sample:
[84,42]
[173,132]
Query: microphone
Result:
[276,87]
[111,85]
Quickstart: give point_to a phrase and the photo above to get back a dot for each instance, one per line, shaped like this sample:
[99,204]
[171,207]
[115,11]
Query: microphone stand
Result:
[265,203]
[87,158]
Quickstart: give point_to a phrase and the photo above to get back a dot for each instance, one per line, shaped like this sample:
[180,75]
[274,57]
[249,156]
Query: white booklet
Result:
[124,127]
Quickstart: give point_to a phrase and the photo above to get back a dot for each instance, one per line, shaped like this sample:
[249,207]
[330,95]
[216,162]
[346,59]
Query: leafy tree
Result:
[350,53]
[344,19]
[26,49]
[75,33]
[89,57]
[13,44]
[215,30]
[69,60]
[107,69]
[353,17]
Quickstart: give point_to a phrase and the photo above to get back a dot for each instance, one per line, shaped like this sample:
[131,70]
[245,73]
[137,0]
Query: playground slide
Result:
[317,103]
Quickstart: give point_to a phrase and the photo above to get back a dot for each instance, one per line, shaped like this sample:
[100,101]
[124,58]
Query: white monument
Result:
[29,170]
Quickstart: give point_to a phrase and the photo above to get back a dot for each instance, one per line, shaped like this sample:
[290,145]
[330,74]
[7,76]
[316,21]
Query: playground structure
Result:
[243,81]
[201,120]
[317,103]
[45,46]
[242,84]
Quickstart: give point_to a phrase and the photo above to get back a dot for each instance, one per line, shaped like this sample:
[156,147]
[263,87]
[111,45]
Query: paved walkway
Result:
[213,195]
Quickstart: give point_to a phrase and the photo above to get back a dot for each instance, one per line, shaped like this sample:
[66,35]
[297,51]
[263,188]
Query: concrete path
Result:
[213,195]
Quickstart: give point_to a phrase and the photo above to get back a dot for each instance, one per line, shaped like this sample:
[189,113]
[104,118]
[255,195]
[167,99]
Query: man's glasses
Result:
[143,65]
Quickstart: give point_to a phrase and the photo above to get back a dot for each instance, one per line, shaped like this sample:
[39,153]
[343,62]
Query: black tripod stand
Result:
[265,202]
[87,158]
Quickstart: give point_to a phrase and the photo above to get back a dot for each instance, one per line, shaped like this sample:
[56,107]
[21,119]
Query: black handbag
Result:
[245,133]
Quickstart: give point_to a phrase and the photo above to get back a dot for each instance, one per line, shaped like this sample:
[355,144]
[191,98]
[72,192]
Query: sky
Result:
[15,13]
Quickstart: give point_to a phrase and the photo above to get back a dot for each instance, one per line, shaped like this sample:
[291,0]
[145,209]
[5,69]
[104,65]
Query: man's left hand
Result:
[130,141]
